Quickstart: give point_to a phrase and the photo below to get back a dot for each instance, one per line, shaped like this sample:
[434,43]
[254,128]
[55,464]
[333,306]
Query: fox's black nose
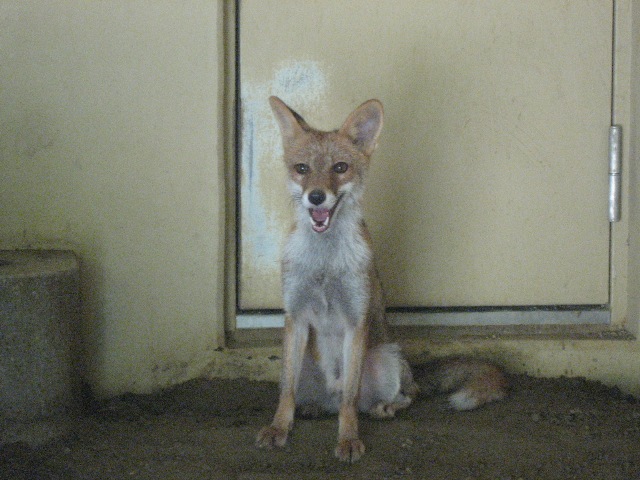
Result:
[317,197]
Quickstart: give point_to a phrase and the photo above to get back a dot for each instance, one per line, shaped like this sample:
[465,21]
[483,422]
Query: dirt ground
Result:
[204,429]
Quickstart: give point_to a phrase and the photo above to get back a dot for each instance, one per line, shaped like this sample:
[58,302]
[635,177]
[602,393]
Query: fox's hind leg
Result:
[387,382]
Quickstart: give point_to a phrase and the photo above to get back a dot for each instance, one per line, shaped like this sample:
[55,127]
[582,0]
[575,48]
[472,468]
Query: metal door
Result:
[489,186]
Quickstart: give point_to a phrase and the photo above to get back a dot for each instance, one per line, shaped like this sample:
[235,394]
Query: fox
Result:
[338,356]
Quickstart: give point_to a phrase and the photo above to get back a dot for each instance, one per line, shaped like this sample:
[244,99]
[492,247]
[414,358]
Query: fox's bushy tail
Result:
[470,382]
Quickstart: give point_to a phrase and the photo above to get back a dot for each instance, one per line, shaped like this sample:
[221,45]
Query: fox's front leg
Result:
[294,346]
[350,448]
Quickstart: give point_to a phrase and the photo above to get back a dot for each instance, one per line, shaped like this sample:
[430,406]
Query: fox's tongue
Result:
[320,215]
[320,219]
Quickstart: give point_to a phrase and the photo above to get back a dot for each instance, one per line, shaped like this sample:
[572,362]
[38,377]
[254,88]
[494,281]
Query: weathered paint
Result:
[263,208]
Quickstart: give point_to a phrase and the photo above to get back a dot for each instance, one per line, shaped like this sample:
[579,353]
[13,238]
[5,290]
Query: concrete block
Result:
[39,311]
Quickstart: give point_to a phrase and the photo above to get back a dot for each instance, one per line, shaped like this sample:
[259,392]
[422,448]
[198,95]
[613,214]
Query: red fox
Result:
[337,355]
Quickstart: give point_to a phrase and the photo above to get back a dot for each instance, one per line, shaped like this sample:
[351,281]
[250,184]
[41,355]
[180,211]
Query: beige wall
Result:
[110,144]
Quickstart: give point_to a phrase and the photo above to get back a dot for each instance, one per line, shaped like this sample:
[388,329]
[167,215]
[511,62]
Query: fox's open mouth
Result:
[321,217]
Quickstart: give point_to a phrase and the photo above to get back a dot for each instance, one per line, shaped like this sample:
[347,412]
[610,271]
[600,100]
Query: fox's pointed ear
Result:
[364,125]
[290,122]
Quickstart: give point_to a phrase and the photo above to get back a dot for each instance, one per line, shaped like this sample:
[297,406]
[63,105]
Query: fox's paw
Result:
[349,450]
[383,411]
[389,409]
[271,436]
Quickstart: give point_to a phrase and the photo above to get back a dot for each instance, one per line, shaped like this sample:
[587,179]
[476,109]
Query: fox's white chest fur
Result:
[325,277]
[326,288]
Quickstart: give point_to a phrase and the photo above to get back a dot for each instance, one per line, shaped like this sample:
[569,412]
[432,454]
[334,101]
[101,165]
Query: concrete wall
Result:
[111,144]
[111,128]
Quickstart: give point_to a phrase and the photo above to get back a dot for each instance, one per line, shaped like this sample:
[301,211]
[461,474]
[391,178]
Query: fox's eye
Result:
[340,167]
[301,168]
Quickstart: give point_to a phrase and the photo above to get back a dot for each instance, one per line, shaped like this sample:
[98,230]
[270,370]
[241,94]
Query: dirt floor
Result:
[547,429]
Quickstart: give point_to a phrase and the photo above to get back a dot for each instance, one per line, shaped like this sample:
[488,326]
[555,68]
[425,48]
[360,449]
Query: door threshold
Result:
[442,317]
